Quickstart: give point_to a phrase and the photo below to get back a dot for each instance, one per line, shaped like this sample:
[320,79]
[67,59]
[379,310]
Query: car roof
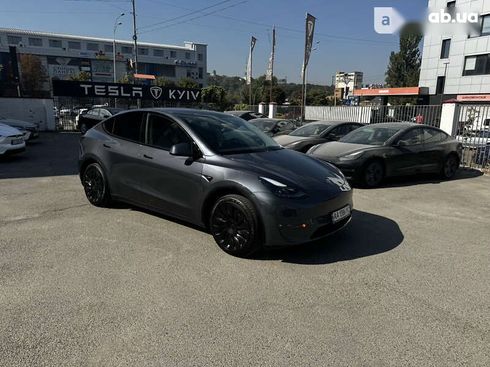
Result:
[237,112]
[331,123]
[401,125]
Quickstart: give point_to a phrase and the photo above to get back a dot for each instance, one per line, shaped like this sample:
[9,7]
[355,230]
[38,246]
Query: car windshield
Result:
[311,129]
[370,135]
[227,134]
[264,125]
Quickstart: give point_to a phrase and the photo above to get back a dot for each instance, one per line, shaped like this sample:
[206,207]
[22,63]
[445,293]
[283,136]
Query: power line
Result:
[185,15]
[197,17]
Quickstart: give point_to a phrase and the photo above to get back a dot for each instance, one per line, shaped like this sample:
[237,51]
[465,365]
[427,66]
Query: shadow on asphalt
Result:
[423,179]
[52,154]
[366,235]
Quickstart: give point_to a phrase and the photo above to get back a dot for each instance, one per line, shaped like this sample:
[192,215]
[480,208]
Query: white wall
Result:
[29,109]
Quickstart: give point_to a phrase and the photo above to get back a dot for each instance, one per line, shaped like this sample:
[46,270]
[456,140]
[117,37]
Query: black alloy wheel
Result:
[95,185]
[373,173]
[451,165]
[233,225]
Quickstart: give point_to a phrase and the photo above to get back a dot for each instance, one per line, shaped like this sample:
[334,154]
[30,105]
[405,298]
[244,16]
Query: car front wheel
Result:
[95,185]
[450,166]
[234,225]
[373,174]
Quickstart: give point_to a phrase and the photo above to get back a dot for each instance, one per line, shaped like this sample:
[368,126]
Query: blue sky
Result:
[344,29]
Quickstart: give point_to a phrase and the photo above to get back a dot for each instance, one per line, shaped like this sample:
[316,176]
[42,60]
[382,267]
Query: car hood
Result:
[293,169]
[337,149]
[289,139]
[6,130]
[18,123]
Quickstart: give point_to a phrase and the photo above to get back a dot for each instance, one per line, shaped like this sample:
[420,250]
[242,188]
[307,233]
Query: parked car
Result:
[373,152]
[217,171]
[273,127]
[30,130]
[247,115]
[95,115]
[314,133]
[80,112]
[11,140]
[476,140]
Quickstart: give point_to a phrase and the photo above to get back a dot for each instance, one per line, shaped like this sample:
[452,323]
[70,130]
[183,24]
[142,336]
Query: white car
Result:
[30,130]
[65,112]
[81,111]
[476,140]
[11,140]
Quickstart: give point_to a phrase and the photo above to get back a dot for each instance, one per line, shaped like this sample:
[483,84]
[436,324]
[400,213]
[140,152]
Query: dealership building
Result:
[65,56]
[455,60]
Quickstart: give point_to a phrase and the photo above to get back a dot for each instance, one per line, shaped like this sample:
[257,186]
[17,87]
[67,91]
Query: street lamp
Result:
[117,23]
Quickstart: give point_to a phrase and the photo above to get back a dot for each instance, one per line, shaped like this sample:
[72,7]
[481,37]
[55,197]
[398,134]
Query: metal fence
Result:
[429,115]
[473,131]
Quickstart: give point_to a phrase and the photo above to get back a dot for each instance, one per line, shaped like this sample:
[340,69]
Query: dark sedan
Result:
[314,133]
[216,171]
[93,116]
[373,152]
[273,127]
[246,115]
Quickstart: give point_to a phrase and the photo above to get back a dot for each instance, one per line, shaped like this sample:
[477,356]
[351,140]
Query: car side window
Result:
[352,127]
[432,136]
[163,133]
[129,126]
[109,125]
[413,137]
[340,131]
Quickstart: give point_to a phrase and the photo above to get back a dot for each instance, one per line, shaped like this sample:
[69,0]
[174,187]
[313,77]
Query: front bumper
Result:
[290,222]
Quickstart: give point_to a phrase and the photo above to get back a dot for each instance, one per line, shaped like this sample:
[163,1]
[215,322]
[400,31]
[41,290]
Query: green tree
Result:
[33,75]
[215,97]
[164,82]
[82,76]
[404,66]
[187,83]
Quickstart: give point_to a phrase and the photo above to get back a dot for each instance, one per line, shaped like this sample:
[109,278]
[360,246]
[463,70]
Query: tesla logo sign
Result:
[114,90]
[340,182]
[156,92]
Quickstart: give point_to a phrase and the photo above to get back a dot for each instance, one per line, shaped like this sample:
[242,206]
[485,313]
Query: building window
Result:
[92,46]
[189,73]
[201,72]
[173,54]
[446,45]
[158,53]
[72,45]
[55,43]
[451,7]
[485,25]
[14,40]
[108,48]
[477,65]
[126,50]
[199,57]
[143,51]
[188,55]
[441,81]
[38,42]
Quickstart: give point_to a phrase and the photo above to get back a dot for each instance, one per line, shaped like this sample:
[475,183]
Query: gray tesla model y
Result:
[217,171]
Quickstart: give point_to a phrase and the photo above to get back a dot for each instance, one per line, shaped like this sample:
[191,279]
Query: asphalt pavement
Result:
[406,284]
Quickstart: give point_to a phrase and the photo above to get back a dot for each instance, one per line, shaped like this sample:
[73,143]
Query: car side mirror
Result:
[182,150]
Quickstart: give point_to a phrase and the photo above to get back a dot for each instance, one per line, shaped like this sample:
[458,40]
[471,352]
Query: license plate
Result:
[341,214]
[17,141]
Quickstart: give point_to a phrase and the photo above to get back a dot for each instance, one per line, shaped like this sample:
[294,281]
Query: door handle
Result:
[147,156]
[106,146]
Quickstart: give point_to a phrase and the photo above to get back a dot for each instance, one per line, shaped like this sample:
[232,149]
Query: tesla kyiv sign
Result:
[93,89]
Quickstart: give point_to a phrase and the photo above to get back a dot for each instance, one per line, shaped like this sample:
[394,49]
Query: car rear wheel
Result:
[234,225]
[83,128]
[450,166]
[95,185]
[373,174]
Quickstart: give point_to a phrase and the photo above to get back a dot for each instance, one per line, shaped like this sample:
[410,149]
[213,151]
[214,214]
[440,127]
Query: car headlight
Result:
[282,190]
[313,148]
[351,157]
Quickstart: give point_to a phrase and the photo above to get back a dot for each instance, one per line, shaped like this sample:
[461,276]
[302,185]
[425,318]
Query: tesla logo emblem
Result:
[340,182]
[156,92]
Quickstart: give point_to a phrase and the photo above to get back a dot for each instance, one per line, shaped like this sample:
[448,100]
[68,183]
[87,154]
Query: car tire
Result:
[83,128]
[234,225]
[450,166]
[95,185]
[373,173]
